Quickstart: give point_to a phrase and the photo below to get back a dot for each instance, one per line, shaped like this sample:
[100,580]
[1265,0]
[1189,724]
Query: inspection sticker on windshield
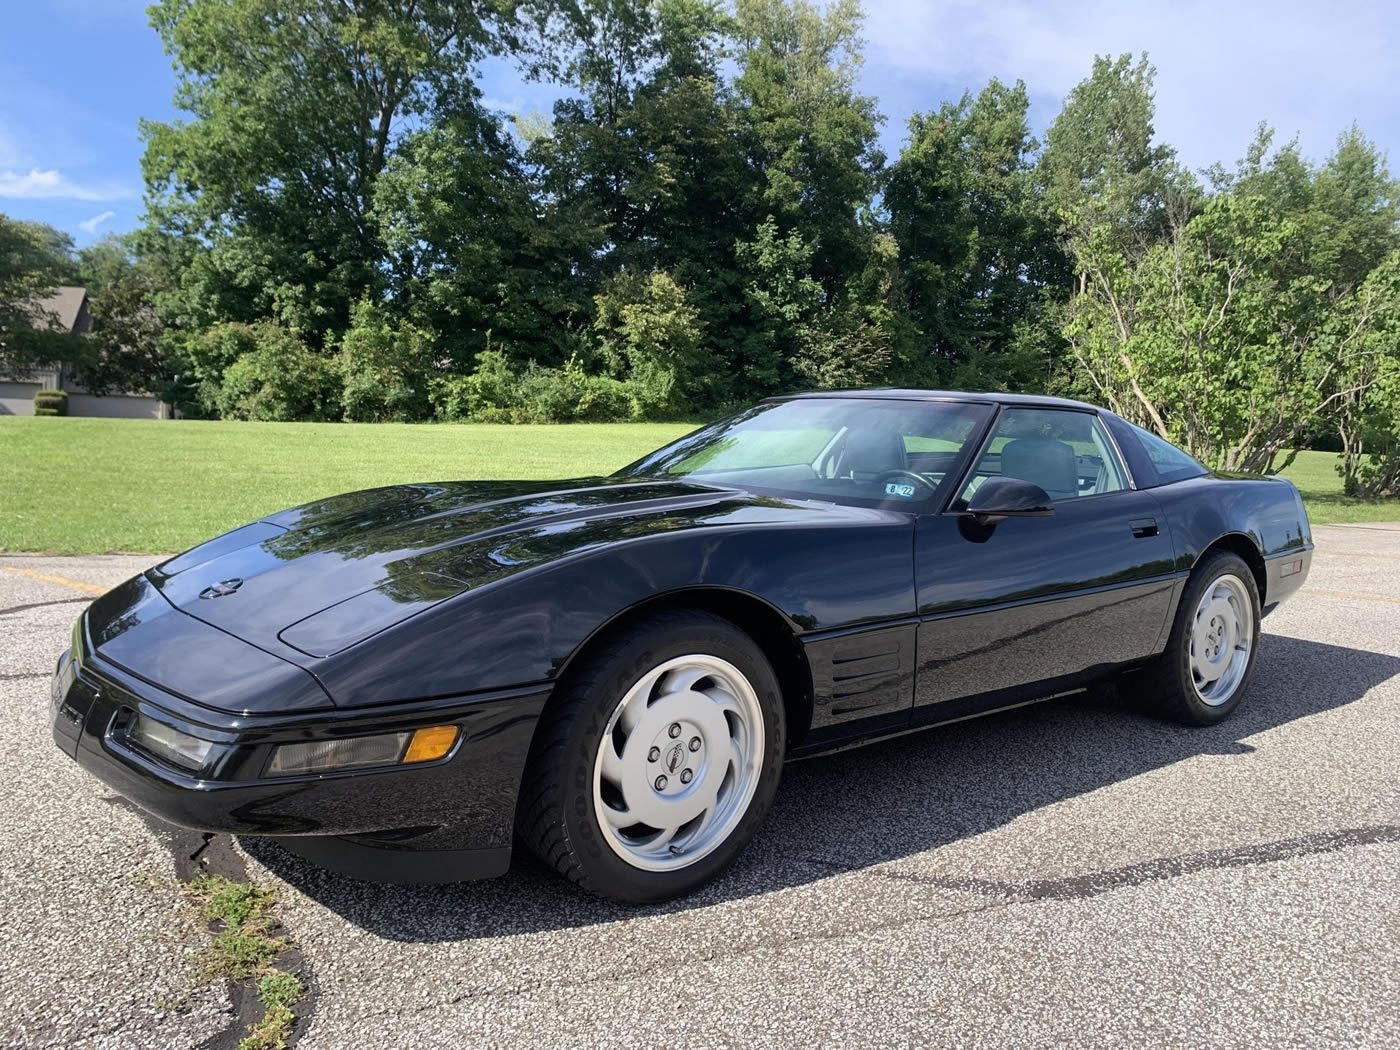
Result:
[899,488]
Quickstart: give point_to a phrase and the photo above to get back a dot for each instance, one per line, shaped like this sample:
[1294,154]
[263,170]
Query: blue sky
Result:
[77,75]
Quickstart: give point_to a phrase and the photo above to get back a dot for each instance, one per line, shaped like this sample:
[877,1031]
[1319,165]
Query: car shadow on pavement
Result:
[876,804]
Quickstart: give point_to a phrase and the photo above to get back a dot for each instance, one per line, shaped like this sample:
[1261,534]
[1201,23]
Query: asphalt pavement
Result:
[1069,874]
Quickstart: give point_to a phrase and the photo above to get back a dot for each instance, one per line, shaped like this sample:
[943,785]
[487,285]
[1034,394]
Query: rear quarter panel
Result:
[1265,510]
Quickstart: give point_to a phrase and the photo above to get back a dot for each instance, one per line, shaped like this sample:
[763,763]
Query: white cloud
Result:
[499,104]
[90,225]
[1306,68]
[54,185]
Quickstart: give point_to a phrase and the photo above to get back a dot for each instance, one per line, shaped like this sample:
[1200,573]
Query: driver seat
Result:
[870,453]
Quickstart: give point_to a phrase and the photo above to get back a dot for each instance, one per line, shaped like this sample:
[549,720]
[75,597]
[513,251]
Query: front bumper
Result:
[432,821]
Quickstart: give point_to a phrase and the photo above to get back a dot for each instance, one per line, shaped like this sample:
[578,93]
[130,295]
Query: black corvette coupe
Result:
[406,680]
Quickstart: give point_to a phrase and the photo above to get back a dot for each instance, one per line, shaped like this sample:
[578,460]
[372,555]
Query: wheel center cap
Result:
[675,757]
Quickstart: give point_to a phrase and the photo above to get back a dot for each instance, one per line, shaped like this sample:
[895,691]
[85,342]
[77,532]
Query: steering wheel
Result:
[899,472]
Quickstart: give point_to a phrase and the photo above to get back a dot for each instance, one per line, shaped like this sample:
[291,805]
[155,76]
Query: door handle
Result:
[1143,527]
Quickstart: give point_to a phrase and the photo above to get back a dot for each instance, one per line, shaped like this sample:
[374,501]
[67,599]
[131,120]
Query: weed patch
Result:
[245,947]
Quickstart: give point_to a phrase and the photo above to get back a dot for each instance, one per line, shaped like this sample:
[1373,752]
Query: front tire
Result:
[1202,675]
[658,760]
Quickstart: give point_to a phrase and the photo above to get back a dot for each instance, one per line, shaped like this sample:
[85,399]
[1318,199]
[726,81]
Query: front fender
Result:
[524,628]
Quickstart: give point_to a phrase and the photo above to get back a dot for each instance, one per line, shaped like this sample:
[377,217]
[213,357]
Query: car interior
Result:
[907,457]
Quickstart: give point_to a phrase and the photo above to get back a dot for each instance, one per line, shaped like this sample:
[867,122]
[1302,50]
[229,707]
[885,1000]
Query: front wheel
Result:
[1203,673]
[657,762]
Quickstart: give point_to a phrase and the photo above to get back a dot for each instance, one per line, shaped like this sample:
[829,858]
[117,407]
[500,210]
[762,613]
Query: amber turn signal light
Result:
[431,743]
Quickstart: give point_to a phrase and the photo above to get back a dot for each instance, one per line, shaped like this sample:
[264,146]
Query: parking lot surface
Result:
[1068,874]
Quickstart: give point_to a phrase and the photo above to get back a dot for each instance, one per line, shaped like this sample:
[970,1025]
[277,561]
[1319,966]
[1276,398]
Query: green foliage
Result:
[280,989]
[571,395]
[50,403]
[231,903]
[103,262]
[1367,386]
[244,947]
[651,337]
[1101,169]
[34,260]
[207,356]
[976,246]
[124,351]
[492,387]
[338,228]
[271,1033]
[383,365]
[1241,328]
[280,380]
[496,393]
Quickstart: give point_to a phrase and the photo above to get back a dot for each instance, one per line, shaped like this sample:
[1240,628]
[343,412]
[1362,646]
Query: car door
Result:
[1013,610]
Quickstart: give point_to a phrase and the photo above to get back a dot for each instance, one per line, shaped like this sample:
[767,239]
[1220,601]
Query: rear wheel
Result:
[1202,675]
[657,762]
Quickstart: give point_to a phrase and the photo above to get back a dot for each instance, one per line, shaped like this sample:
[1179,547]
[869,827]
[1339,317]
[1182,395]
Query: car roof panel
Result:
[908,394]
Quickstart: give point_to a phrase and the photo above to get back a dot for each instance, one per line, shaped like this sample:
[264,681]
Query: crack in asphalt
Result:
[23,675]
[1074,887]
[195,852]
[1093,884]
[631,973]
[40,605]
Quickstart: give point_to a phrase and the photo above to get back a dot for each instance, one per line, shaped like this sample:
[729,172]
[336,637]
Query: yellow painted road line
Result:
[62,581]
[1350,594]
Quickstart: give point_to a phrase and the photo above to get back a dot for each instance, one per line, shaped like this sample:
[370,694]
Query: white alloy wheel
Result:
[1222,635]
[678,762]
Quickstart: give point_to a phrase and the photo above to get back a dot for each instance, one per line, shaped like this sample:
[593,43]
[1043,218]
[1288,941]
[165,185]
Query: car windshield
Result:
[862,451]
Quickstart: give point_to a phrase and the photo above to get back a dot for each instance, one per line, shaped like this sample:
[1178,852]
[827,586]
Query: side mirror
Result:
[997,499]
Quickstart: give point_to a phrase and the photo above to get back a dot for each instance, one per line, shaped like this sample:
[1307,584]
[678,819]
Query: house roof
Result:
[66,303]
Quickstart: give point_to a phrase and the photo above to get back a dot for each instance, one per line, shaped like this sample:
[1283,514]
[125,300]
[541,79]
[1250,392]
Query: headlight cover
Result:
[169,744]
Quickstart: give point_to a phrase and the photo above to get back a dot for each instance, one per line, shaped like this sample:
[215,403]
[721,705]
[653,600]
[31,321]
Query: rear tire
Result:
[1203,673]
[657,761]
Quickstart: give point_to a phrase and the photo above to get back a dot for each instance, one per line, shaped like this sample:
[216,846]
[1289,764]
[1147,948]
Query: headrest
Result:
[1044,462]
[874,452]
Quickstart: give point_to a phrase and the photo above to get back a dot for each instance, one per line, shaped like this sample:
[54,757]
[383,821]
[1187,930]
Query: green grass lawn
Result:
[1315,474]
[85,486]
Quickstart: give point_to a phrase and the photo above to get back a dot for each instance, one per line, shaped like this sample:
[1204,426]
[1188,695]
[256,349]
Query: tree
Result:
[34,260]
[104,261]
[295,109]
[123,350]
[1366,387]
[1241,330]
[466,253]
[384,367]
[650,337]
[812,242]
[977,248]
[642,170]
[807,131]
[1101,169]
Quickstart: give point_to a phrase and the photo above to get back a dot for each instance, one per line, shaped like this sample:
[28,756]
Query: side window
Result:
[1170,462]
[1066,453]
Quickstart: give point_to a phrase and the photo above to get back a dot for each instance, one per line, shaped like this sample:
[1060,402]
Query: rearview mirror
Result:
[997,499]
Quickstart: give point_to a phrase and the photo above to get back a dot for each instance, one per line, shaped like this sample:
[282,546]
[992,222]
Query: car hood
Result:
[319,578]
